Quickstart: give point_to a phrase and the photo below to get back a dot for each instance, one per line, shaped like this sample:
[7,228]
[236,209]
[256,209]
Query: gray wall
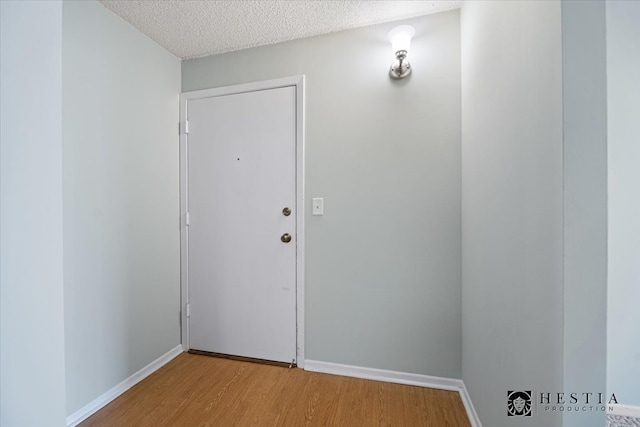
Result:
[383,263]
[623,69]
[121,200]
[585,203]
[31,292]
[511,204]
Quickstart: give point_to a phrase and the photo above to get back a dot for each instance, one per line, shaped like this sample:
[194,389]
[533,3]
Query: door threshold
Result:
[243,358]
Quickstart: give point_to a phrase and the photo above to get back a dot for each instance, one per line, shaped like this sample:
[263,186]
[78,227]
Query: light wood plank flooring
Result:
[194,390]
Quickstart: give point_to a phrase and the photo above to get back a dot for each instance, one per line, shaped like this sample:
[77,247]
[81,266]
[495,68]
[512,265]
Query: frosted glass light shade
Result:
[400,37]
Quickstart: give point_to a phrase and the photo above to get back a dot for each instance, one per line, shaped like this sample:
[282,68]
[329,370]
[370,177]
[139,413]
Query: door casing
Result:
[298,83]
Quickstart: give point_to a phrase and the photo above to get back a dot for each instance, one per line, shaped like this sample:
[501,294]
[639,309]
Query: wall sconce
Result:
[400,38]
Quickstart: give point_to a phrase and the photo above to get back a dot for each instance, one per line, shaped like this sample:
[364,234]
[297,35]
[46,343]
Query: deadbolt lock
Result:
[286,211]
[285,238]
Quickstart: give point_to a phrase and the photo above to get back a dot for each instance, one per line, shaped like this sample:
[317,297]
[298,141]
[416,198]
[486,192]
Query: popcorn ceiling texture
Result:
[192,29]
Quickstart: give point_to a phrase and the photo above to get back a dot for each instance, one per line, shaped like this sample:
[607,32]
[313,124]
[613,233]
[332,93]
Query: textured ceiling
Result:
[191,29]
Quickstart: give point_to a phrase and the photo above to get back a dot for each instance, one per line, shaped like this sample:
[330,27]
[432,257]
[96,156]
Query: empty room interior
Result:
[409,213]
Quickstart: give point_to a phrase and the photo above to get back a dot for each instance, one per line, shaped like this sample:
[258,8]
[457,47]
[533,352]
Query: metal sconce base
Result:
[401,67]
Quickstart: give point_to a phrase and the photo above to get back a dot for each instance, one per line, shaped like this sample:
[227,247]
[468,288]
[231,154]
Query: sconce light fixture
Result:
[400,38]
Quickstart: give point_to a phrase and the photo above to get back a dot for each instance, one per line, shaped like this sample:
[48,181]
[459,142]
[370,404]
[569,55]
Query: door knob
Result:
[286,211]
[285,238]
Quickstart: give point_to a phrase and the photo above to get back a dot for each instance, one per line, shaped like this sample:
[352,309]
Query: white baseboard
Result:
[468,406]
[624,410]
[94,406]
[448,384]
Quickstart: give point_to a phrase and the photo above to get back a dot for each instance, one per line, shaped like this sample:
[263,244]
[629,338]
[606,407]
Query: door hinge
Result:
[186,218]
[188,310]
[184,127]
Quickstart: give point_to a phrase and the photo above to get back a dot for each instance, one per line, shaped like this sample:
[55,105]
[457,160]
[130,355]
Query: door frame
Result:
[185,97]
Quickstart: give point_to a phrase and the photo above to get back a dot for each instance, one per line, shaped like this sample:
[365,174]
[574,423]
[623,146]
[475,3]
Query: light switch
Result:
[318,206]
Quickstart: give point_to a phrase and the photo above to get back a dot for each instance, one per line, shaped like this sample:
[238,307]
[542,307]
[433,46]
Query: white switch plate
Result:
[317,206]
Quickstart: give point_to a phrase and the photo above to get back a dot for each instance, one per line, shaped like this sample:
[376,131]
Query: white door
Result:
[241,181]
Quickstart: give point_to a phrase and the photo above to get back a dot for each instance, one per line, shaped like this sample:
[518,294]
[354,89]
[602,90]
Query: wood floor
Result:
[194,390]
